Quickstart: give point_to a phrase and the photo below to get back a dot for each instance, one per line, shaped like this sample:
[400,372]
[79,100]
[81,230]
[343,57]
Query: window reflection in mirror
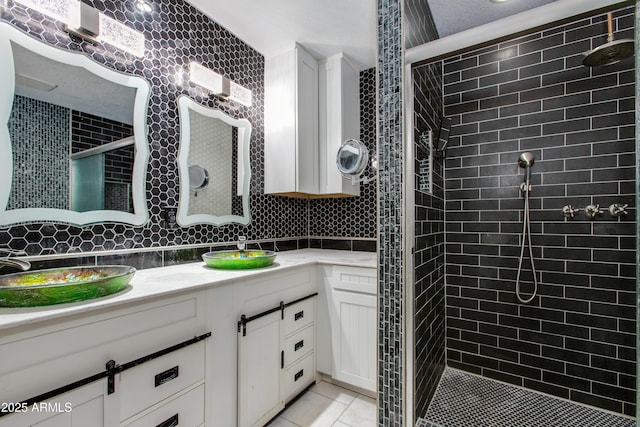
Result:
[75,140]
[214,166]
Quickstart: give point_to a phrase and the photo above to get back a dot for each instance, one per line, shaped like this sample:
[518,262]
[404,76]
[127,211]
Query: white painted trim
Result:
[533,18]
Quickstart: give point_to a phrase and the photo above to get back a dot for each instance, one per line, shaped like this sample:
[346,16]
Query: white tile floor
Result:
[327,405]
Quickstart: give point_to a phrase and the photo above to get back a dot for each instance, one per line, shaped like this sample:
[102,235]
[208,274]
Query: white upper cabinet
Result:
[310,108]
[291,124]
[339,90]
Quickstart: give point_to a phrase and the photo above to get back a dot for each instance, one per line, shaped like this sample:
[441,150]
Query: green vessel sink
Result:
[62,285]
[239,260]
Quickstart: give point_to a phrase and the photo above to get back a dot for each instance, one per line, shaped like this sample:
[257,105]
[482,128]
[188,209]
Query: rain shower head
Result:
[611,52]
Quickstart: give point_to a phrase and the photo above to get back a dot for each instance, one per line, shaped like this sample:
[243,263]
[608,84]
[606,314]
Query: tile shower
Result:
[577,339]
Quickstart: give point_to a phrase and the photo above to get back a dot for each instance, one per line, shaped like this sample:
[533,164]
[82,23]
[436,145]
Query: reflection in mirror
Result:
[74,149]
[214,166]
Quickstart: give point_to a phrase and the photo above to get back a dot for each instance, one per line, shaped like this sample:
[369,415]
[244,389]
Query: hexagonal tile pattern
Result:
[176,34]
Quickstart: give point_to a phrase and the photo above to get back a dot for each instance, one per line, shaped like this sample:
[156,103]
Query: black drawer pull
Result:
[166,376]
[299,315]
[298,345]
[299,375]
[171,422]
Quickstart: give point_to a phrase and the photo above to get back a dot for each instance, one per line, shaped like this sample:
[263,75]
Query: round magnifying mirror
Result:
[198,177]
[352,158]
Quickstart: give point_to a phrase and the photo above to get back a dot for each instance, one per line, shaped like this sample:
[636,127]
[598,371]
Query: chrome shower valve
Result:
[618,209]
[593,210]
[569,211]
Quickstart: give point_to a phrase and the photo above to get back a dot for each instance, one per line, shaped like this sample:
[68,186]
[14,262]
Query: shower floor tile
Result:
[467,400]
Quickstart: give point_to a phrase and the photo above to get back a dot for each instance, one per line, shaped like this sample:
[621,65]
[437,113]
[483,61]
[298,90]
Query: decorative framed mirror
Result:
[214,166]
[74,149]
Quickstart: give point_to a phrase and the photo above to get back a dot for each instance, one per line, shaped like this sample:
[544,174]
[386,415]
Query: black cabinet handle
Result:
[166,376]
[298,345]
[299,315]
[171,422]
[111,369]
[299,375]
[282,359]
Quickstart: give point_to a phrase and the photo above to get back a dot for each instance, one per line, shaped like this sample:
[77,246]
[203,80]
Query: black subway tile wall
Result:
[576,339]
[32,151]
[429,247]
[419,27]
[189,36]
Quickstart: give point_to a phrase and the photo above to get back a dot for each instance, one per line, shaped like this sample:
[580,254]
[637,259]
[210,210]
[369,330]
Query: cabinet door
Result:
[307,109]
[354,338]
[291,123]
[259,397]
[85,406]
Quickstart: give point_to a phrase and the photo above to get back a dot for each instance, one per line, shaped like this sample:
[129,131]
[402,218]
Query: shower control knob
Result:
[569,211]
[592,211]
[618,209]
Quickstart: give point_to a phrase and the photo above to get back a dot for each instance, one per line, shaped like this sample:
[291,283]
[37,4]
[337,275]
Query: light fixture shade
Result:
[209,80]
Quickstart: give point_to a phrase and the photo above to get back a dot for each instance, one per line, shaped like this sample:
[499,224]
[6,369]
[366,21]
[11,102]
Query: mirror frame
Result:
[140,216]
[185,106]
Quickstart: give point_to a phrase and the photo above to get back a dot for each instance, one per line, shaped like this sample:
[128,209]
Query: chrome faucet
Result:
[242,241]
[6,259]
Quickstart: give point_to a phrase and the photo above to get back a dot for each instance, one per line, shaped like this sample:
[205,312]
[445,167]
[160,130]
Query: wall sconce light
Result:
[88,23]
[219,85]
[84,22]
[210,80]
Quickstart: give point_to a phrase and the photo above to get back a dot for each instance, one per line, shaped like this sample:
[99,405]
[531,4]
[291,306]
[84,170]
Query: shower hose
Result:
[526,241]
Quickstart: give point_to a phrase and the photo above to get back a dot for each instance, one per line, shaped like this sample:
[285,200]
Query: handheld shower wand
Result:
[525,161]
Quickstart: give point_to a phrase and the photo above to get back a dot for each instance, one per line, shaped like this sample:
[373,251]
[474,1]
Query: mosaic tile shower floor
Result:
[466,400]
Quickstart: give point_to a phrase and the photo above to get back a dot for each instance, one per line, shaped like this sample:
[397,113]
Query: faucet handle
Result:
[242,241]
[592,211]
[569,211]
[618,209]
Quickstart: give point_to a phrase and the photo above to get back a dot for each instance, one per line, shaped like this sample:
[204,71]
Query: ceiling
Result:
[454,16]
[326,27]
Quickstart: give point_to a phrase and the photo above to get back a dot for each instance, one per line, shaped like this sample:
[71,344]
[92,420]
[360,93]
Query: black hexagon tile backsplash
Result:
[175,34]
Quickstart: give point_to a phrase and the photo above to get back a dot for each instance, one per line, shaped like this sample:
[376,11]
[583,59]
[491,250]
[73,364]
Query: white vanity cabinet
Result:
[276,341]
[311,107]
[260,397]
[157,361]
[84,406]
[347,326]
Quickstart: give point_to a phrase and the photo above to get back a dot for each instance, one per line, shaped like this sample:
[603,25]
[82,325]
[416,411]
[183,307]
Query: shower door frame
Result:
[409,249]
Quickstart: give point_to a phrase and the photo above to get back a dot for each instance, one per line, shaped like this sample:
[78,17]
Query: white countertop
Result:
[155,282]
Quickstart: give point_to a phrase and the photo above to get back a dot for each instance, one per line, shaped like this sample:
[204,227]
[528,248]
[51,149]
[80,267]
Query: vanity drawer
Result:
[186,410]
[298,344]
[355,279]
[299,376]
[298,315]
[153,381]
